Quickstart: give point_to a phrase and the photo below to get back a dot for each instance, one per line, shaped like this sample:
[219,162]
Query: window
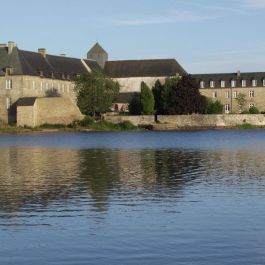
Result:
[254,82]
[244,83]
[212,84]
[227,94]
[41,73]
[41,86]
[227,108]
[68,77]
[251,105]
[63,76]
[251,94]
[233,83]
[202,84]
[222,83]
[8,103]
[214,94]
[235,94]
[63,88]
[8,84]
[263,82]
[9,71]
[33,85]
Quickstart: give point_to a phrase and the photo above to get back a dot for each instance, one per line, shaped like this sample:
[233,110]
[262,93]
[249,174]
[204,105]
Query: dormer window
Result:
[263,82]
[222,83]
[68,77]
[254,82]
[63,76]
[201,84]
[9,71]
[233,83]
[244,83]
[41,73]
[52,75]
[212,84]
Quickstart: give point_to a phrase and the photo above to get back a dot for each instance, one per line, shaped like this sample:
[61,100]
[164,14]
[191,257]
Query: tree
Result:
[147,100]
[185,97]
[214,107]
[254,110]
[135,105]
[52,93]
[95,93]
[157,90]
[241,101]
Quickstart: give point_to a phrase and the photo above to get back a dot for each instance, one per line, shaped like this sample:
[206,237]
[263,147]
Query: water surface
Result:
[133,198]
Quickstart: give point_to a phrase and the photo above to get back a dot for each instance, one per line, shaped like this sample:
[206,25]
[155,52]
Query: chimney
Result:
[238,74]
[42,51]
[11,46]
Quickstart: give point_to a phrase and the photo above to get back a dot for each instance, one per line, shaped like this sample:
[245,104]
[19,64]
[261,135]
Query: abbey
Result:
[26,76]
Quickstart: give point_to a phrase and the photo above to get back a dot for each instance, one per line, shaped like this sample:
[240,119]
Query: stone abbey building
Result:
[26,76]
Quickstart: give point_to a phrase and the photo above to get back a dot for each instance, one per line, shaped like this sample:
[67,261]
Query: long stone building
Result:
[26,74]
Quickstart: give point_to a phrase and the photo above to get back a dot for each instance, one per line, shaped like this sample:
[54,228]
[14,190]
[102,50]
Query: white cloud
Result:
[255,3]
[171,18]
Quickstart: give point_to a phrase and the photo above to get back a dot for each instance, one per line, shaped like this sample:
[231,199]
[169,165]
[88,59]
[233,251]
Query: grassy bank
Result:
[75,127]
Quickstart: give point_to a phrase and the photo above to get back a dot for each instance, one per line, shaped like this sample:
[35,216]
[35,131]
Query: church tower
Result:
[98,54]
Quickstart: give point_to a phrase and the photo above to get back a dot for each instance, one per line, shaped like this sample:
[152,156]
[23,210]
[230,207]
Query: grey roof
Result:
[32,63]
[125,97]
[97,48]
[144,68]
[228,77]
[30,101]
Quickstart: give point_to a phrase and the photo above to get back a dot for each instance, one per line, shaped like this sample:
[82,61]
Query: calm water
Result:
[133,198]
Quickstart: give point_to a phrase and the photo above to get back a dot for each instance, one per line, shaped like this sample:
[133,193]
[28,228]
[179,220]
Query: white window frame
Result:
[244,83]
[254,82]
[263,82]
[235,94]
[222,83]
[233,83]
[251,93]
[251,105]
[227,94]
[202,85]
[9,84]
[212,84]
[227,108]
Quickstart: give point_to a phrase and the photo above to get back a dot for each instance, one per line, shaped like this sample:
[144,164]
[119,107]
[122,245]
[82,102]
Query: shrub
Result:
[87,121]
[147,100]
[253,110]
[127,125]
[214,107]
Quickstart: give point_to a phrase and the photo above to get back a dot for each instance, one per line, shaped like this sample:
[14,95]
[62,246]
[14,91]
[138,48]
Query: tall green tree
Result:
[147,100]
[157,90]
[185,97]
[95,93]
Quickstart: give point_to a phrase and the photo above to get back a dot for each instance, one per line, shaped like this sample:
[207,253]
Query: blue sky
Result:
[203,35]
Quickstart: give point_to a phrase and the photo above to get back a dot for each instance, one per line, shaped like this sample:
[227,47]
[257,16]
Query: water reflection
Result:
[37,177]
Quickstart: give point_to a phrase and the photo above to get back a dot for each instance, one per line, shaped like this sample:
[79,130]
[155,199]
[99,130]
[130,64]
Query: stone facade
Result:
[57,110]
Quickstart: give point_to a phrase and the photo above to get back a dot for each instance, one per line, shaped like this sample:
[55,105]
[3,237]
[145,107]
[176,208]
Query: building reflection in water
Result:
[35,178]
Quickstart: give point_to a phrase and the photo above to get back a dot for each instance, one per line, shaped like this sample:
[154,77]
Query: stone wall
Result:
[136,120]
[60,110]
[192,121]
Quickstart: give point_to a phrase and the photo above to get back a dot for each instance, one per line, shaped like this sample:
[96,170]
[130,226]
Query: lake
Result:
[192,197]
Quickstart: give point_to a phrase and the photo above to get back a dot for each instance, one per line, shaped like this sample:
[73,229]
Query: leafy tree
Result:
[95,93]
[135,105]
[52,93]
[147,100]
[214,107]
[157,90]
[241,101]
[254,110]
[185,97]
[165,94]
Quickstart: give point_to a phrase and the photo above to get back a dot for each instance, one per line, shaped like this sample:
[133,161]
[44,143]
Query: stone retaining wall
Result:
[193,121]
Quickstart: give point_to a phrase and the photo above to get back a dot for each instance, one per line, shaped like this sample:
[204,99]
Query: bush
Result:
[147,100]
[215,107]
[253,110]
[127,125]
[87,121]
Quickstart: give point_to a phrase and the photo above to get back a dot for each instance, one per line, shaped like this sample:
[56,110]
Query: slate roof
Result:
[143,68]
[30,101]
[97,48]
[125,97]
[228,77]
[33,63]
